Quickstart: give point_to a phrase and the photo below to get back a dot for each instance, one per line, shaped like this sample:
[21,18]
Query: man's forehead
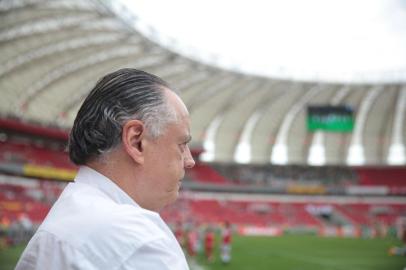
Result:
[177,103]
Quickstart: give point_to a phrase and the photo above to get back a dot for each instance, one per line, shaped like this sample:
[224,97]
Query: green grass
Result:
[289,253]
[309,253]
[9,257]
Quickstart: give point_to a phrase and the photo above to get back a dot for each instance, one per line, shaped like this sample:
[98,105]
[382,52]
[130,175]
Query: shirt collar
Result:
[88,176]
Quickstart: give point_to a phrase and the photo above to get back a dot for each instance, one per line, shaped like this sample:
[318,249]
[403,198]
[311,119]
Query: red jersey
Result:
[209,240]
[226,236]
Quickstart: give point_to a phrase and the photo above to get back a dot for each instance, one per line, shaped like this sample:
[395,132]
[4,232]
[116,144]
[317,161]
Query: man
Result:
[130,140]
[209,243]
[226,243]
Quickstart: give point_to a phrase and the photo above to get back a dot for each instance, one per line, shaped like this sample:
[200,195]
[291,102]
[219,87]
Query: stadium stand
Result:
[23,154]
[204,173]
[258,164]
[393,178]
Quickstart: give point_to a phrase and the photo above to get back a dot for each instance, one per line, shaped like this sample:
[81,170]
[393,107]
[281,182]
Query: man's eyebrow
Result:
[188,138]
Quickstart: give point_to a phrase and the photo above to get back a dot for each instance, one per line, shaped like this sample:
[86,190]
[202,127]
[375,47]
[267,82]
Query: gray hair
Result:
[118,97]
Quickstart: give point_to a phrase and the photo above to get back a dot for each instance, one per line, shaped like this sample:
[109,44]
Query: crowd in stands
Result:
[281,175]
[22,152]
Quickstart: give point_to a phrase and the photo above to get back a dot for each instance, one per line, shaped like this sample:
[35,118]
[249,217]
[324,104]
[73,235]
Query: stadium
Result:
[309,171]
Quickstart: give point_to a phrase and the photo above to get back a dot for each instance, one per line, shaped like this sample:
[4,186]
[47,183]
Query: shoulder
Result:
[156,254]
[101,229]
[81,215]
[135,223]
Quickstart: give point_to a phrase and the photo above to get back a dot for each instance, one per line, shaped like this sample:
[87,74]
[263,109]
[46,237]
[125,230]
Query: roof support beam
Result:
[59,47]
[355,154]
[70,68]
[209,143]
[43,26]
[279,153]
[397,155]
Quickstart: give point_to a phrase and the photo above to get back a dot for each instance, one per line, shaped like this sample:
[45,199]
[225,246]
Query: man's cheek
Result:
[180,156]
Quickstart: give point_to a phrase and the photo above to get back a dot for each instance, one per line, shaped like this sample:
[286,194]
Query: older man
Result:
[130,139]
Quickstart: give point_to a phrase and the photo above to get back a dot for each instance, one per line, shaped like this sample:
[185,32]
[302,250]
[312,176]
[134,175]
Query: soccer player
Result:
[209,244]
[226,243]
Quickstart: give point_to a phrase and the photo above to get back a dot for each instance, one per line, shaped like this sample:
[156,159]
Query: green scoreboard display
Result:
[330,118]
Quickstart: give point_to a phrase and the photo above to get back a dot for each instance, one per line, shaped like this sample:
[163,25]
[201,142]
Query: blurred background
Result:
[298,119]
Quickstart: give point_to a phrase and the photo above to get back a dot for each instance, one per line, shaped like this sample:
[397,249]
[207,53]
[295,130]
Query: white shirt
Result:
[96,225]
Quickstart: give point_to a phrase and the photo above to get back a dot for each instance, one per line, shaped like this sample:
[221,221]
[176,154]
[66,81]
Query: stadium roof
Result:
[52,53]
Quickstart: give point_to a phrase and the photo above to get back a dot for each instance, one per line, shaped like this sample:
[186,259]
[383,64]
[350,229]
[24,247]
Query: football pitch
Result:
[289,253]
[309,253]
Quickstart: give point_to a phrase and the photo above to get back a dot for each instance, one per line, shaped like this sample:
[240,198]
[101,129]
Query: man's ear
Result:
[132,138]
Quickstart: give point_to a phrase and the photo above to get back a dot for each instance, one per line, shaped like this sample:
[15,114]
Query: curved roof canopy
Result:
[53,52]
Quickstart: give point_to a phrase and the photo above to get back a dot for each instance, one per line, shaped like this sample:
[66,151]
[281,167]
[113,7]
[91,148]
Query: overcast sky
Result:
[344,40]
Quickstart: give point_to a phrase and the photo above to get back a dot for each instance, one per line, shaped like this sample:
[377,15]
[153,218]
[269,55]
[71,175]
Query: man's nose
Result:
[189,161]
